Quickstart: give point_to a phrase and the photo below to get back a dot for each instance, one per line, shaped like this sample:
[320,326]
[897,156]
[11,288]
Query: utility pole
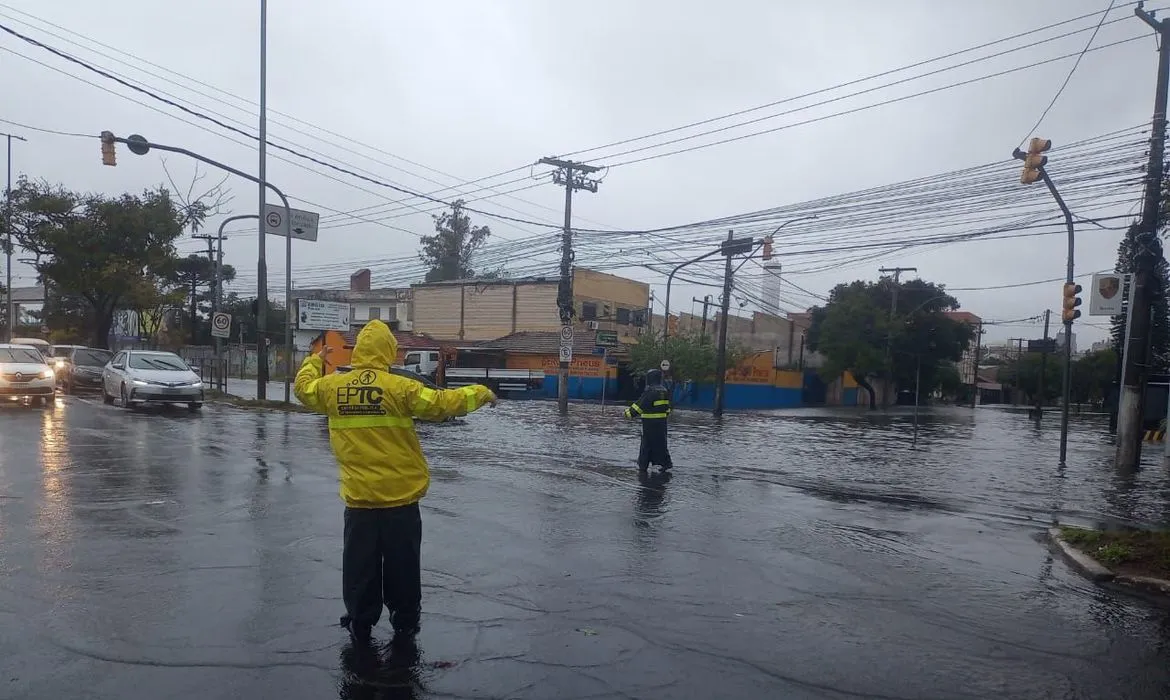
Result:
[262,176]
[706,302]
[1129,406]
[978,356]
[730,248]
[896,272]
[210,259]
[1043,366]
[10,317]
[572,176]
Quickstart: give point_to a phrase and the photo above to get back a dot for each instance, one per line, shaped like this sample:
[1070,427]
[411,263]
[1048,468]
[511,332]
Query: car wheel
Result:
[106,398]
[194,406]
[125,397]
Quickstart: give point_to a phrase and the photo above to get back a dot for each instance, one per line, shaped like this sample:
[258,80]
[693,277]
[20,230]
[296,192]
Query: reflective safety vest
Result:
[653,405]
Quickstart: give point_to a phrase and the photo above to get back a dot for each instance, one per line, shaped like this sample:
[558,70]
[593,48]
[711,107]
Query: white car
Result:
[140,376]
[24,374]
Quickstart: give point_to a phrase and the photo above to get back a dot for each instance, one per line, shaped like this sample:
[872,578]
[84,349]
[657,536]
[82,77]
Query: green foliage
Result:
[1127,255]
[97,250]
[855,333]
[1092,376]
[242,314]
[691,357]
[449,251]
[949,382]
[1024,374]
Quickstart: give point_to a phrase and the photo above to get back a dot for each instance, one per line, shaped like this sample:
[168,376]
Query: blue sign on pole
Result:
[599,350]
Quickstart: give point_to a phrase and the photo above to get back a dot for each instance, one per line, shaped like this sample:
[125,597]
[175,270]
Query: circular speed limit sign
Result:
[567,334]
[221,322]
[273,219]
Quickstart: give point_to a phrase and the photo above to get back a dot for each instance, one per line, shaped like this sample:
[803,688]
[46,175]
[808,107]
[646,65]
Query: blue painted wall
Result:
[739,397]
[849,396]
[587,388]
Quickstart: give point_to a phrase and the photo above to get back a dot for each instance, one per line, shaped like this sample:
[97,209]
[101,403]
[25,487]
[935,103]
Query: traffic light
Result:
[108,156]
[1071,301]
[768,248]
[1034,161]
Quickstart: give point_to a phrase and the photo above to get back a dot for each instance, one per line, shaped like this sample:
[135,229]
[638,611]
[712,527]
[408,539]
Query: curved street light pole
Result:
[670,277]
[140,146]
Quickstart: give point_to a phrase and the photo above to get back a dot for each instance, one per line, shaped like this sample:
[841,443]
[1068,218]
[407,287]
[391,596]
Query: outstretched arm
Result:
[439,404]
[641,406]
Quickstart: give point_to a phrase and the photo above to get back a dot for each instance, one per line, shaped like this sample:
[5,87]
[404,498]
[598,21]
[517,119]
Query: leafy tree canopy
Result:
[691,357]
[856,333]
[449,251]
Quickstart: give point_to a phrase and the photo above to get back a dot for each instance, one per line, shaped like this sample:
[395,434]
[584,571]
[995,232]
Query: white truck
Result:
[423,363]
[510,380]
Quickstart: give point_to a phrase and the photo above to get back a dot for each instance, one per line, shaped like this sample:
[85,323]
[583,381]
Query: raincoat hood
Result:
[654,377]
[376,348]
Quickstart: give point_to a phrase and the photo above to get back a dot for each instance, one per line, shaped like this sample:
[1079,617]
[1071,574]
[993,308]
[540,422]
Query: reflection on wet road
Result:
[797,555]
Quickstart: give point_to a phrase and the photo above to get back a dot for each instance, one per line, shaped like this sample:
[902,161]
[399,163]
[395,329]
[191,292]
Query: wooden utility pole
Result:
[706,302]
[896,275]
[730,248]
[572,176]
[1129,405]
[978,356]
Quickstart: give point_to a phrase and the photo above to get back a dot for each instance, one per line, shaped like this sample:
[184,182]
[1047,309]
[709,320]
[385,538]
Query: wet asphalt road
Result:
[810,554]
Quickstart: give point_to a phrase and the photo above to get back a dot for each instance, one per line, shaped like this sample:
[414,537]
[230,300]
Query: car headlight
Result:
[196,385]
[47,374]
[60,364]
[139,382]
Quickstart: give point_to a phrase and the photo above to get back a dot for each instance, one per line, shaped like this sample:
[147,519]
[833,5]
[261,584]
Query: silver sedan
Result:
[140,376]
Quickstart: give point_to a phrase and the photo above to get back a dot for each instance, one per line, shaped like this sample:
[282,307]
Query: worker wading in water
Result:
[653,409]
[383,474]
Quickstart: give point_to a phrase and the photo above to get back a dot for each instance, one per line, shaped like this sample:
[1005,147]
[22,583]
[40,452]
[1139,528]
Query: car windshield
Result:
[91,358]
[25,355]
[62,350]
[160,362]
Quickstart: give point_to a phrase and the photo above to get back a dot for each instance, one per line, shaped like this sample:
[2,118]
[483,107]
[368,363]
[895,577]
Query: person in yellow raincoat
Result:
[383,473]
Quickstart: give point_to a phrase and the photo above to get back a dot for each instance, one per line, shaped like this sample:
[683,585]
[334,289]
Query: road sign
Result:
[600,350]
[566,353]
[304,223]
[1107,294]
[566,335]
[664,365]
[1048,345]
[317,315]
[221,325]
[609,338]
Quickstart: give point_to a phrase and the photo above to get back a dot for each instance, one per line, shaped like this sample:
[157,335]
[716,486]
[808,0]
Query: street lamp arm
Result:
[670,280]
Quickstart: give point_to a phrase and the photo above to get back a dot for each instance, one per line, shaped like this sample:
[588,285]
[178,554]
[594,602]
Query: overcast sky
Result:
[472,88]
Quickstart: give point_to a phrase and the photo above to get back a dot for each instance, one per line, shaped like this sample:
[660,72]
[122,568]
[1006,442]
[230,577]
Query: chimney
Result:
[360,281]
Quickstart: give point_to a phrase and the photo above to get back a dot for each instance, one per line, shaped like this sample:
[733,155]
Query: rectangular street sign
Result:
[599,350]
[1042,345]
[609,338]
[304,223]
[1107,294]
[317,315]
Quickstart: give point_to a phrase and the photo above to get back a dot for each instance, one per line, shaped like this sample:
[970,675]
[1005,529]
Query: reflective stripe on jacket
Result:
[371,420]
[653,405]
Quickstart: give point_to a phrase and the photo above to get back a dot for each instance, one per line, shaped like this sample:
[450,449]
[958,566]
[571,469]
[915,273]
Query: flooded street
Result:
[797,554]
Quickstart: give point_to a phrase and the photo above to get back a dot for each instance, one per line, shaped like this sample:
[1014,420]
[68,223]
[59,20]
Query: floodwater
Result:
[795,554]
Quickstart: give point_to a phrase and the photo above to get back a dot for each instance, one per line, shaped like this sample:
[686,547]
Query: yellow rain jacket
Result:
[371,426]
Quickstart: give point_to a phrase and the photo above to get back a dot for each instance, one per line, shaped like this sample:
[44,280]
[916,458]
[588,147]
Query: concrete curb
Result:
[1087,565]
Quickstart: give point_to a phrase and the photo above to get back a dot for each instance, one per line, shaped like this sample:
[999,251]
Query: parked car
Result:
[140,376]
[24,375]
[56,355]
[80,368]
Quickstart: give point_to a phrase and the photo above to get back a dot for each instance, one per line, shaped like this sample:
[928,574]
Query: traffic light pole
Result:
[1129,405]
[1066,379]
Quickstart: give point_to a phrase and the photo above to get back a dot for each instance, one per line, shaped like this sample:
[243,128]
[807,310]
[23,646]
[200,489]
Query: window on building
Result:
[638,318]
[392,312]
[589,311]
[623,316]
[375,313]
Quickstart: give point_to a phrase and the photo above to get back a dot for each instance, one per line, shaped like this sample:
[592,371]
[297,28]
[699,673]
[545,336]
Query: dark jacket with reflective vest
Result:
[653,408]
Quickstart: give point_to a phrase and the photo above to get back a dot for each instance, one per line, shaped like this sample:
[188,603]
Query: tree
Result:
[96,248]
[691,357]
[244,315]
[1127,253]
[1092,376]
[193,273]
[449,251]
[1024,374]
[856,333]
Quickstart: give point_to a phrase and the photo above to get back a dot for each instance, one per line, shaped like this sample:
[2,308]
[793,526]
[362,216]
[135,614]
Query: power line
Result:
[1073,70]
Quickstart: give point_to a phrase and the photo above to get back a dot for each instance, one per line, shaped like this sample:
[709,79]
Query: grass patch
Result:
[1138,552]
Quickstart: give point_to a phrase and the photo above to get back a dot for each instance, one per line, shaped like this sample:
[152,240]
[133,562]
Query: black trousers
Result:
[654,449]
[380,565]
